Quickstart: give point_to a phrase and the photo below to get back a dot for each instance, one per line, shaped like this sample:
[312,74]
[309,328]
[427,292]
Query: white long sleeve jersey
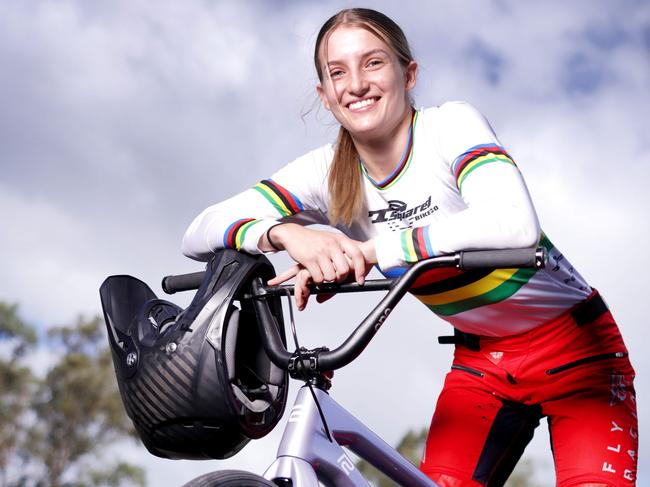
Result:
[456,188]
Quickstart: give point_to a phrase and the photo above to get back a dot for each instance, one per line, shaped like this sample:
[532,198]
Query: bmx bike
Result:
[311,451]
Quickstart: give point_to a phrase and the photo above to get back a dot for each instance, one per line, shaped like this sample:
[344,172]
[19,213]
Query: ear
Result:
[323,98]
[411,74]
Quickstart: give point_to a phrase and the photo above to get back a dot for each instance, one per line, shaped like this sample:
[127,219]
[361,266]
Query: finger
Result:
[353,252]
[290,273]
[341,265]
[314,270]
[326,266]
[301,289]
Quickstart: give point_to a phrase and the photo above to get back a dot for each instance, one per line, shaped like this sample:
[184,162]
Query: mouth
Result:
[362,104]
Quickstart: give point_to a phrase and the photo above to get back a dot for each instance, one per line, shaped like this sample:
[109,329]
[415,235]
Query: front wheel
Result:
[229,478]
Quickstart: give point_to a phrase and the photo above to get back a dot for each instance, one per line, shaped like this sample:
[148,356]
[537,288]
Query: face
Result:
[364,85]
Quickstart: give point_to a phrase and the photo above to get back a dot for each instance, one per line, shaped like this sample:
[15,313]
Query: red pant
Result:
[579,377]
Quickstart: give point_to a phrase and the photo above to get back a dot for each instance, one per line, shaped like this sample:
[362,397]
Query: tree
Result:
[55,425]
[16,383]
[79,410]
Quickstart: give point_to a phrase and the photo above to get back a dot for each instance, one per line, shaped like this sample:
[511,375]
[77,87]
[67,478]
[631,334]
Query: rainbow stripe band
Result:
[472,289]
[464,278]
[476,157]
[281,198]
[404,164]
[416,244]
[503,286]
[236,233]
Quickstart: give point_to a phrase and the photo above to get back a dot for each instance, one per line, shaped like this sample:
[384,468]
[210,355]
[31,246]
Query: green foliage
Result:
[59,423]
[16,383]
[15,330]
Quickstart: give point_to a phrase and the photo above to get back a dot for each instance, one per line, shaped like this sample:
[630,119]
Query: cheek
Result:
[392,81]
[396,84]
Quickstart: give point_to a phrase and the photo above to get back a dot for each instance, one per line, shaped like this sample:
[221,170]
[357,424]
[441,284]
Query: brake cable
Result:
[299,350]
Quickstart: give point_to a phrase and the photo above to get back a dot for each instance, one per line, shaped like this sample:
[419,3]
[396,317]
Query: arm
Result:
[295,196]
[294,193]
[499,212]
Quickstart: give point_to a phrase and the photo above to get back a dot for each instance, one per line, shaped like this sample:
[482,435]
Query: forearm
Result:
[235,223]
[273,239]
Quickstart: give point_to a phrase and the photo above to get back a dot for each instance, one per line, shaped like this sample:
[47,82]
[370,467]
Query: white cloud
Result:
[121,121]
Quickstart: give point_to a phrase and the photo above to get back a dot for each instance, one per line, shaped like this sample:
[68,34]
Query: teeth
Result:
[362,103]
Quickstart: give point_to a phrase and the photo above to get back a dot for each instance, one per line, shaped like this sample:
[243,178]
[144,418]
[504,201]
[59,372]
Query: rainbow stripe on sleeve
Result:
[416,245]
[476,157]
[234,236]
[281,198]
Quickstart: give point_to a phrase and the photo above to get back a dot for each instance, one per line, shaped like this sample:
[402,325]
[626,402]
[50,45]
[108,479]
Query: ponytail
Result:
[345,182]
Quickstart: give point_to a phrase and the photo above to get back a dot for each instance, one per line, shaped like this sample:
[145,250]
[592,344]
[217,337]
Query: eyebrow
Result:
[364,55]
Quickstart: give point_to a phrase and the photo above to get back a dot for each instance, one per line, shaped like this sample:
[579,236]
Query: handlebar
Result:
[325,360]
[182,282]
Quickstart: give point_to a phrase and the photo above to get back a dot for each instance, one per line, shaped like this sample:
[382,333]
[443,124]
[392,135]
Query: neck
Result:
[382,155]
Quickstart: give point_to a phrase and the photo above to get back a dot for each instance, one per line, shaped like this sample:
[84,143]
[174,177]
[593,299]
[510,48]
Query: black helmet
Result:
[196,383]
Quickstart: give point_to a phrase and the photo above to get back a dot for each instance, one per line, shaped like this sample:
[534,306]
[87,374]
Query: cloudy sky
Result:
[120,121]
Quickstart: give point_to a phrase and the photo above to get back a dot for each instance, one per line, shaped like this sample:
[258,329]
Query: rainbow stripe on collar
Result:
[404,164]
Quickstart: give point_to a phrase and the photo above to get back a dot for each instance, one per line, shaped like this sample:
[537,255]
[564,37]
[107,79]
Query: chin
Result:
[363,126]
[362,130]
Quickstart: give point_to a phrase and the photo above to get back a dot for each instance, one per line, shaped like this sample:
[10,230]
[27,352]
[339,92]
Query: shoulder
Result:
[306,174]
[459,119]
[313,163]
[457,126]
[451,112]
[451,118]
[320,158]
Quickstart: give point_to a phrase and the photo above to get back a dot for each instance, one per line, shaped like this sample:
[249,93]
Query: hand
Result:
[329,256]
[301,285]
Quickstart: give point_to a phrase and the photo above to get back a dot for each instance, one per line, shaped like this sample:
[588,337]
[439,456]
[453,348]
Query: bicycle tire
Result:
[230,478]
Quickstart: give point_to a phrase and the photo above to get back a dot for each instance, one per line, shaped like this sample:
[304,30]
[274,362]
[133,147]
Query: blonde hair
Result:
[345,180]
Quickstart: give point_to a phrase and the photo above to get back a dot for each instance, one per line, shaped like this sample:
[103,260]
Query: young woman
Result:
[403,185]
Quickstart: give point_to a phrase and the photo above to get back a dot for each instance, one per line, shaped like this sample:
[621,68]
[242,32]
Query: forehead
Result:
[350,41]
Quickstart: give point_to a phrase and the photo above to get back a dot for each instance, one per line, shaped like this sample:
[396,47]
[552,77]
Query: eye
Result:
[336,73]
[374,63]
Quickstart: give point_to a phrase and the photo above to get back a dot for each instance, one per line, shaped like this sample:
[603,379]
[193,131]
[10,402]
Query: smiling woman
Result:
[403,185]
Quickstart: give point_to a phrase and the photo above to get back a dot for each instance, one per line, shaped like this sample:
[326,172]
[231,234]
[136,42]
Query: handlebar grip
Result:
[182,282]
[502,259]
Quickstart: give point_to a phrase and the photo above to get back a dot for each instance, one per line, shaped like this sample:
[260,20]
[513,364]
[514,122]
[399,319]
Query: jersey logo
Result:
[398,211]
[495,357]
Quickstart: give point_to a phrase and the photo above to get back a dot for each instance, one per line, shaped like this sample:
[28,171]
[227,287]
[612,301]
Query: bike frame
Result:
[306,455]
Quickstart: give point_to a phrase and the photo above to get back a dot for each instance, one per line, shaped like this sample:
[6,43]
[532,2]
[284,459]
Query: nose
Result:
[358,82]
